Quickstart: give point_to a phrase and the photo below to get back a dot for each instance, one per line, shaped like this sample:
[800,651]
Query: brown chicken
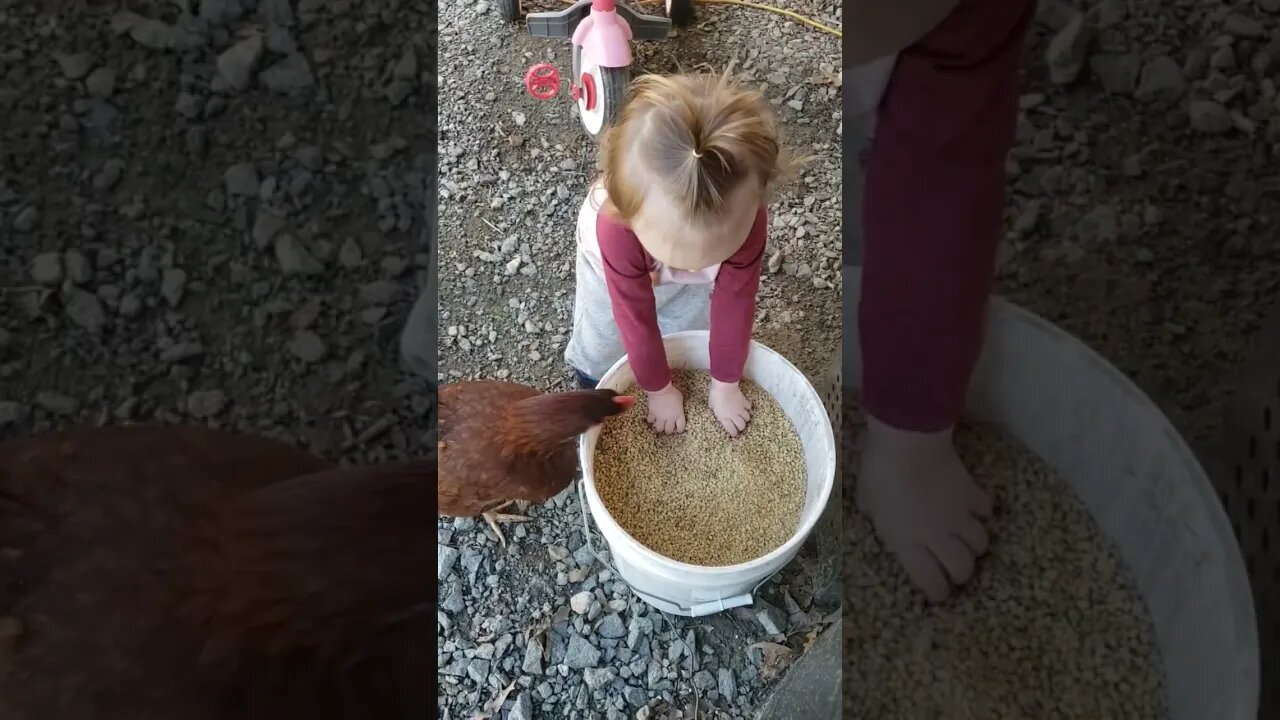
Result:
[156,573]
[502,442]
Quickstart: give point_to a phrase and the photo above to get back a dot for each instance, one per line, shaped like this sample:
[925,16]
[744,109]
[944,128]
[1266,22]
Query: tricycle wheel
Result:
[509,9]
[600,93]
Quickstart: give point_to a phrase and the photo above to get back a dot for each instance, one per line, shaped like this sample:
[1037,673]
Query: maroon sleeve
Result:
[626,273]
[733,304]
[933,212]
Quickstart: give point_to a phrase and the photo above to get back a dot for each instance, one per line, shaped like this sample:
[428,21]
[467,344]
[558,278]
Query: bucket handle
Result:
[664,604]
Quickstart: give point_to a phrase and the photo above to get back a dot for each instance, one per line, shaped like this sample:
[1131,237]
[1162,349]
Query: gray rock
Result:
[350,255]
[237,63]
[310,157]
[130,305]
[1117,73]
[13,413]
[1197,61]
[85,309]
[101,83]
[109,176]
[478,670]
[445,558]
[1224,58]
[76,65]
[611,627]
[280,41]
[1112,13]
[57,403]
[638,630]
[635,697]
[197,139]
[1099,225]
[772,621]
[182,351]
[278,12]
[220,12]
[523,708]
[308,347]
[265,228]
[454,601]
[1209,117]
[581,654]
[532,664]
[726,684]
[241,180]
[596,678]
[379,292]
[46,269]
[580,603]
[79,269]
[704,680]
[206,403]
[654,674]
[1066,52]
[1245,27]
[290,75]
[188,106]
[398,90]
[583,556]
[472,559]
[26,220]
[173,284]
[153,34]
[294,258]
[407,67]
[1161,80]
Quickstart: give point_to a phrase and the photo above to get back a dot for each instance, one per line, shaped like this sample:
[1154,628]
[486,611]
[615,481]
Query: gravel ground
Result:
[540,629]
[212,211]
[1144,197]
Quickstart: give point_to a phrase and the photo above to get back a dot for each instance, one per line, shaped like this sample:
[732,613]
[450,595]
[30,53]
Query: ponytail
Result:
[699,135]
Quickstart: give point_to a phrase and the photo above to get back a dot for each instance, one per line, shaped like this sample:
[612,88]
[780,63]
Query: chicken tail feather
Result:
[545,422]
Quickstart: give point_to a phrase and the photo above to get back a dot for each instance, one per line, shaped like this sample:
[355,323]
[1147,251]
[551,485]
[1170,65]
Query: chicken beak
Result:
[626,401]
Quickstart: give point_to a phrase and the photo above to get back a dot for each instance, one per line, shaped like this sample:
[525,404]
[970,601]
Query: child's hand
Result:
[730,406]
[666,410]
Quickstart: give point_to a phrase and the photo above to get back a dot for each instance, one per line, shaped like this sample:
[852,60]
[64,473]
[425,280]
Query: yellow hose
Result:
[759,6]
[769,8]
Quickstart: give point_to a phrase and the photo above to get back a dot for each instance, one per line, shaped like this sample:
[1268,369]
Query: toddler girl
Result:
[935,83]
[672,236]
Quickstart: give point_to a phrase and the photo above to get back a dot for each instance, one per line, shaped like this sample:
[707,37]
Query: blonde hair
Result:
[702,136]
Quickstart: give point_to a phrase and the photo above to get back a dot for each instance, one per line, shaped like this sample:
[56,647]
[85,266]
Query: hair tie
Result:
[696,153]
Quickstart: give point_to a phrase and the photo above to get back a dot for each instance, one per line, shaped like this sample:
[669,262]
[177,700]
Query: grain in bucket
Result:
[692,590]
[1140,483]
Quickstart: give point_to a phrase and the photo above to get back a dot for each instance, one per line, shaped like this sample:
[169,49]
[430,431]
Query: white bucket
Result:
[695,590]
[1142,484]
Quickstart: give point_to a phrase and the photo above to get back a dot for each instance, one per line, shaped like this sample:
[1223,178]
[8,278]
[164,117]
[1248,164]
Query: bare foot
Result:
[926,507]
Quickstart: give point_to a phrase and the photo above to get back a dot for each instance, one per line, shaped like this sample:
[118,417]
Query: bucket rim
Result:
[803,529]
[1244,610]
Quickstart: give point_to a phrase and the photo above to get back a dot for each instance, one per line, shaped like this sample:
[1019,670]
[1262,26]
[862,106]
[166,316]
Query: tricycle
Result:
[601,32]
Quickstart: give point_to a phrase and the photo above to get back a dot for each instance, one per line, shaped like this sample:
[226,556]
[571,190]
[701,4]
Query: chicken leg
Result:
[493,517]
